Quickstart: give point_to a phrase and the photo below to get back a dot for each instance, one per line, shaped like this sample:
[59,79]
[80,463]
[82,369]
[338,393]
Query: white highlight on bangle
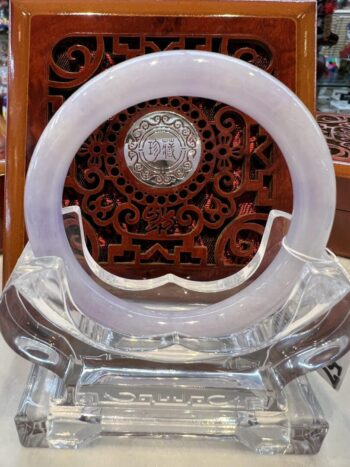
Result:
[197,74]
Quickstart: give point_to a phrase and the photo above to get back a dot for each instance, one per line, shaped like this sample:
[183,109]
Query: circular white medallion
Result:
[162,149]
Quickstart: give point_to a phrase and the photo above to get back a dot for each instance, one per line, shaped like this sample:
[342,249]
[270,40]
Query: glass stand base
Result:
[90,381]
[250,408]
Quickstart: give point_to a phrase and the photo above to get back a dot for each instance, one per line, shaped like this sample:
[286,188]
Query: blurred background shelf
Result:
[333,67]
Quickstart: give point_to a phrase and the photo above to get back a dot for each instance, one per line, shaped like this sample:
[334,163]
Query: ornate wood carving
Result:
[207,226]
[216,217]
[336,130]
[211,225]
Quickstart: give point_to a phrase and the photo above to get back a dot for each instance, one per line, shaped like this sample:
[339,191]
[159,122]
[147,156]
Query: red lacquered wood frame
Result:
[36,80]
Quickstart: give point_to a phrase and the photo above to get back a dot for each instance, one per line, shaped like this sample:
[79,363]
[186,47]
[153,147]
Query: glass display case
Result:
[333,84]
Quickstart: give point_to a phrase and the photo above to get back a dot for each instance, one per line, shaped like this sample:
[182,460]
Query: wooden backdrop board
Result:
[58,46]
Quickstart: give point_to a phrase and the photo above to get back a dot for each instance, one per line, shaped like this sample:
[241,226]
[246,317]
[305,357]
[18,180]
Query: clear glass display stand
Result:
[88,381]
[244,406]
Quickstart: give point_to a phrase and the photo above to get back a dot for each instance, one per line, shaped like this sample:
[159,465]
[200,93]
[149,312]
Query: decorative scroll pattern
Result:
[336,130]
[208,226]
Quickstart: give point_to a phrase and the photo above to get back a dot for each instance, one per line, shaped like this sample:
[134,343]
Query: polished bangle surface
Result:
[197,74]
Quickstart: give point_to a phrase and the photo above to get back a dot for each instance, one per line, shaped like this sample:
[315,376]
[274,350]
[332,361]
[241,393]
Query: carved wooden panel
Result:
[286,33]
[336,130]
[210,225]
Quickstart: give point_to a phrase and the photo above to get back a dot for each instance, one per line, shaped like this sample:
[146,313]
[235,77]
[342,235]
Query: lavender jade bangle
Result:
[198,74]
